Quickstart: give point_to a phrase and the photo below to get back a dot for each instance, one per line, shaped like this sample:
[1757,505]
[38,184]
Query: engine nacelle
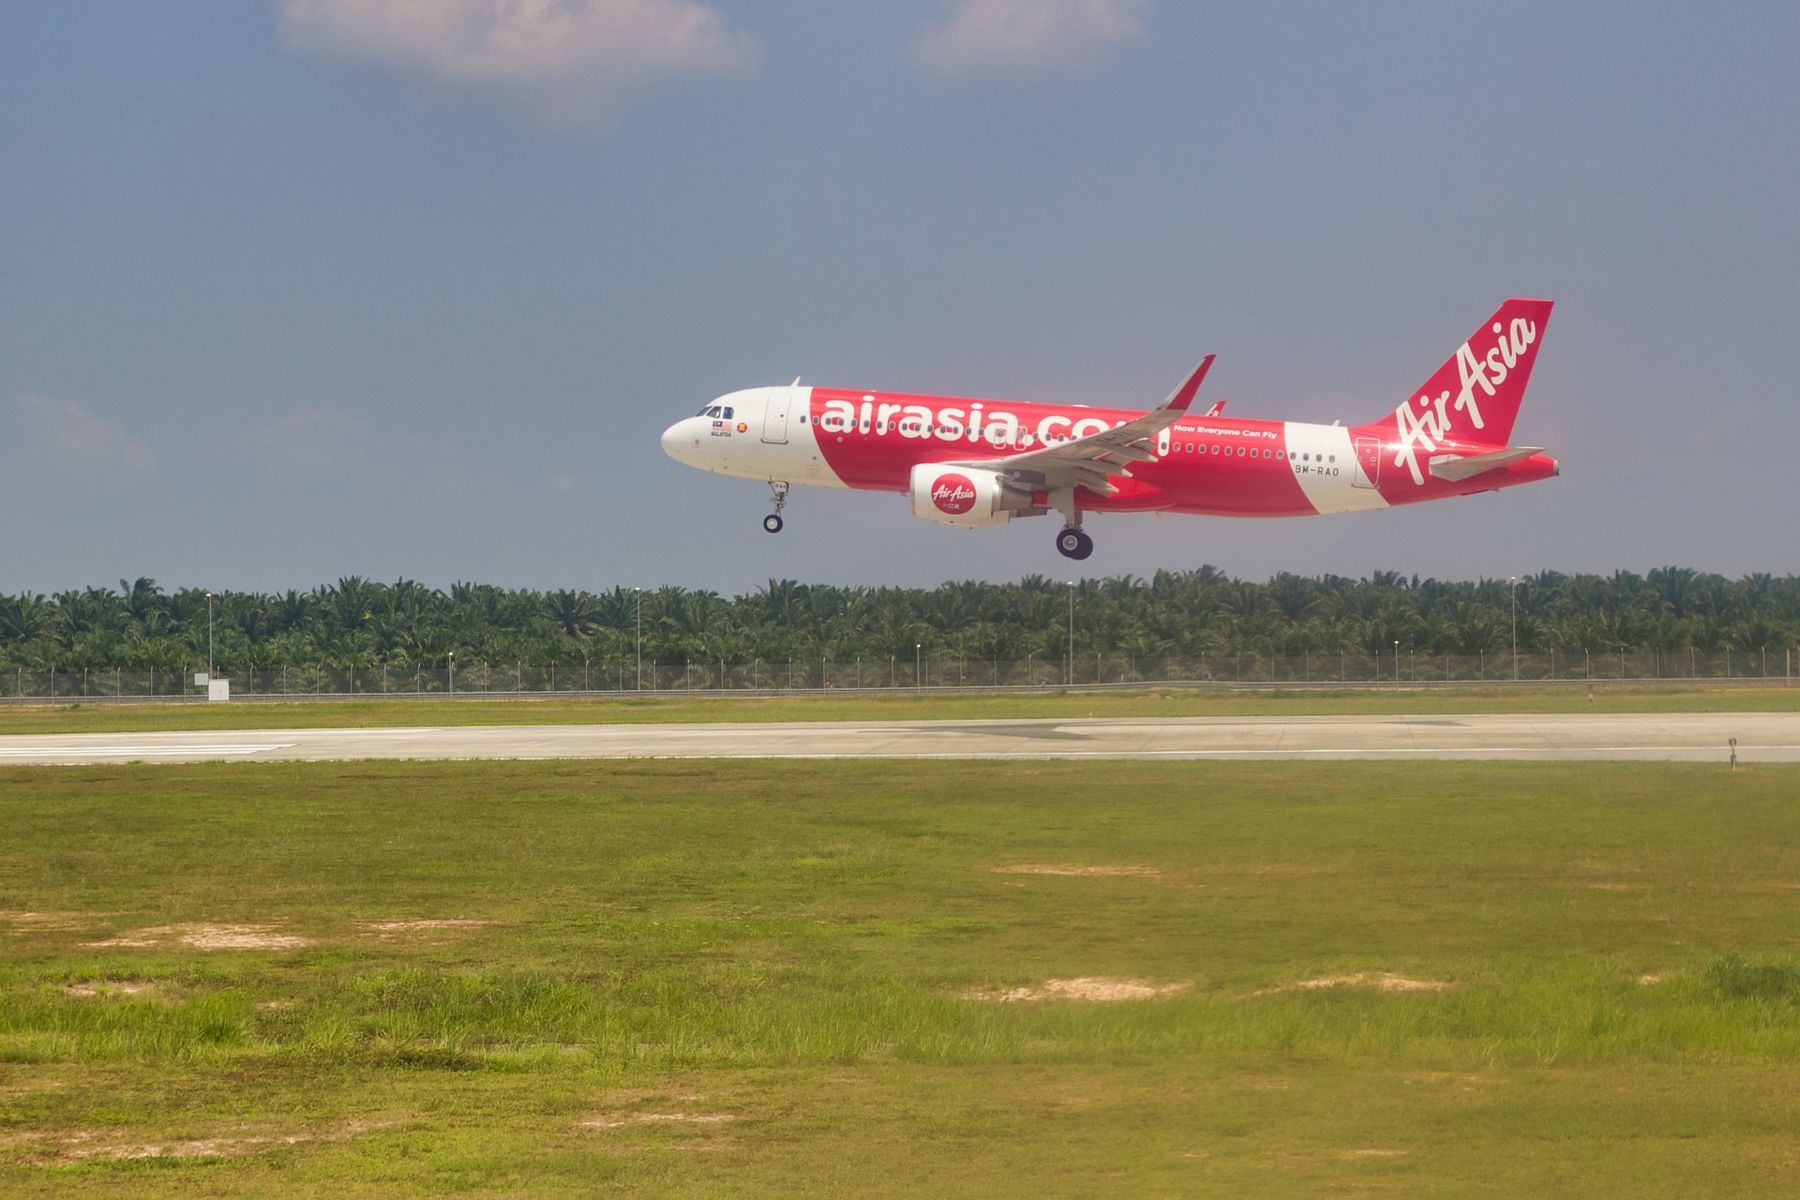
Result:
[963,496]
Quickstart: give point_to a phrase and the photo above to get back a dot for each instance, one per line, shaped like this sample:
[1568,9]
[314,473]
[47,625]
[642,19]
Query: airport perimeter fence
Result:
[917,672]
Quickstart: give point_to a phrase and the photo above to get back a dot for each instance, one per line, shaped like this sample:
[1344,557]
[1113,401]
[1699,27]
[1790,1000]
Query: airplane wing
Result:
[1087,462]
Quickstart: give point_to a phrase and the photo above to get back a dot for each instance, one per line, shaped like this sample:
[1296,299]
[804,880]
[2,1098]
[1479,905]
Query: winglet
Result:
[1181,397]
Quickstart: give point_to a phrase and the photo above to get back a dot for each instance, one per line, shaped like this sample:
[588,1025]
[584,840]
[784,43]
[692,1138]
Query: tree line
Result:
[360,623]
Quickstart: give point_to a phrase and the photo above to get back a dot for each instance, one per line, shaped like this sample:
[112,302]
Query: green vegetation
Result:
[746,979]
[898,706]
[1187,621]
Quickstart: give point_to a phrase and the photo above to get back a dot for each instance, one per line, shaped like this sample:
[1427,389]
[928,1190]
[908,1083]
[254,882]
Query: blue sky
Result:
[299,290]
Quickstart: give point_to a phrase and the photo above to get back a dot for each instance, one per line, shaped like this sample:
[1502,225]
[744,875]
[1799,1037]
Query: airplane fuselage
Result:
[1217,466]
[974,462]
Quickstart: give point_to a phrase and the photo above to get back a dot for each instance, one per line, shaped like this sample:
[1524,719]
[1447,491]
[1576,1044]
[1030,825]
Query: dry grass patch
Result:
[423,925]
[603,1121]
[105,988]
[207,937]
[24,921]
[1382,981]
[62,1147]
[1077,869]
[1094,988]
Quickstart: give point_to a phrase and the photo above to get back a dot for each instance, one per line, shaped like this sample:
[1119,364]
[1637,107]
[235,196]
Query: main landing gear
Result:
[1073,543]
[772,522]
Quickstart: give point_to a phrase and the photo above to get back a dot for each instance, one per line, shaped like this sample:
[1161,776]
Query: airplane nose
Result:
[676,439]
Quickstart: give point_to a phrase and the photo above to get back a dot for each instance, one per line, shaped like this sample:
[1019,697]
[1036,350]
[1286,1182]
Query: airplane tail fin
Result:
[1475,395]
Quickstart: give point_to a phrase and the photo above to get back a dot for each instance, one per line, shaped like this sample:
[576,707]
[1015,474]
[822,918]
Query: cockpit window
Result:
[727,413]
[714,410]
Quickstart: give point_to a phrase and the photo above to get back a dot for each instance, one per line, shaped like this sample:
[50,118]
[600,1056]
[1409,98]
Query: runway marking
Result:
[138,751]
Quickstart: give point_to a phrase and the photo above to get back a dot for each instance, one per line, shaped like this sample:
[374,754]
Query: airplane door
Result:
[775,416]
[1368,462]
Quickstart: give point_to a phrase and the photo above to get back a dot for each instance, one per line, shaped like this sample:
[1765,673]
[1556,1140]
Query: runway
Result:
[1671,737]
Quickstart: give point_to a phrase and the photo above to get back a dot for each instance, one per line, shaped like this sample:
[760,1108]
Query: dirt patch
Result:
[1077,869]
[87,1145]
[110,987]
[1382,981]
[423,924]
[1612,887]
[1372,1153]
[604,1121]
[31,922]
[1095,988]
[1650,977]
[207,937]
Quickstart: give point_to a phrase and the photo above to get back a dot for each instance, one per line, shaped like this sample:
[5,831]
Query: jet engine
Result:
[954,495]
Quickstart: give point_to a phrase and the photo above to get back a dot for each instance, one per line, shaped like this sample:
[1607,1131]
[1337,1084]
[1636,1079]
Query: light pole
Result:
[1515,625]
[918,660]
[639,593]
[1396,661]
[1071,671]
[209,639]
[453,672]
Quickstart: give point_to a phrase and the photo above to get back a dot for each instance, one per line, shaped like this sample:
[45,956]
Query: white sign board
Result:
[200,678]
[218,690]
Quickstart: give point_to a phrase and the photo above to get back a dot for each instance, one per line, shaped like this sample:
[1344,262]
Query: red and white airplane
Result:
[983,462]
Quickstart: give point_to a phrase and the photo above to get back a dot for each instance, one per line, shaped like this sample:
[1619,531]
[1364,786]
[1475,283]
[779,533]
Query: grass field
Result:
[785,979]
[1155,702]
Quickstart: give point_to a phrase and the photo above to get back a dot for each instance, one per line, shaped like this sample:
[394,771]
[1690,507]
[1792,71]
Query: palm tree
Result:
[575,613]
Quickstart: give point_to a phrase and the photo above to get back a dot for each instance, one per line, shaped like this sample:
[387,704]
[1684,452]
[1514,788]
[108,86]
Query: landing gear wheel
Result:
[1073,543]
[779,488]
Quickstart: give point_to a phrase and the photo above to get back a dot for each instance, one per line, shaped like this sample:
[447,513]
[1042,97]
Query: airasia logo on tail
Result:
[1437,420]
[953,494]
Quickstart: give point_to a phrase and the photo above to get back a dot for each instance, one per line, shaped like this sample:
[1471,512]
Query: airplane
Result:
[977,462]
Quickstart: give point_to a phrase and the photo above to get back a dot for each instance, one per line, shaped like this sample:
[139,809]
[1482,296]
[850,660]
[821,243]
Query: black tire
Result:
[1072,543]
[772,523]
[1087,546]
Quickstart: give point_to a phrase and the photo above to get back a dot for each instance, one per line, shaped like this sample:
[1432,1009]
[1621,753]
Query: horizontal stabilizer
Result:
[1455,468]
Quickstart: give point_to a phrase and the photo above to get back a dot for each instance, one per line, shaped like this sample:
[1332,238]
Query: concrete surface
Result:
[1679,737]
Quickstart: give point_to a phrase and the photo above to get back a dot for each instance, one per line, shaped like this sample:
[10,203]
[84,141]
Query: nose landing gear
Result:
[772,523]
[1073,543]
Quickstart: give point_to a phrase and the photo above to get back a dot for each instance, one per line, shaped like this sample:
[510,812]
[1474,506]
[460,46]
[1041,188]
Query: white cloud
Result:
[1030,35]
[565,53]
[321,448]
[62,432]
[314,441]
